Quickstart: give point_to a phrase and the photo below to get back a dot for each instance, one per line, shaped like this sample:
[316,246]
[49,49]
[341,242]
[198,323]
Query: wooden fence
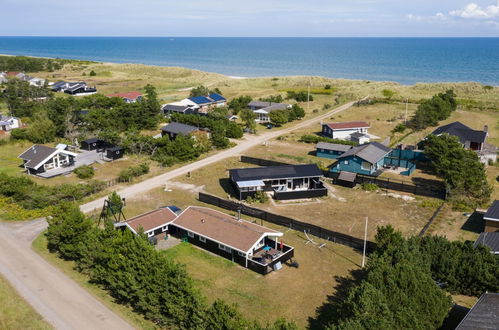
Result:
[311,229]
[428,190]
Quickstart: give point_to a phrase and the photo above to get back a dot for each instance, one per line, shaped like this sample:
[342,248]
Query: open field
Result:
[15,313]
[67,267]
[293,293]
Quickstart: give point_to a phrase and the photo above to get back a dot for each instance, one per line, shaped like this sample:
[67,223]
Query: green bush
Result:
[127,174]
[260,197]
[301,96]
[400,128]
[92,73]
[309,138]
[84,172]
[367,186]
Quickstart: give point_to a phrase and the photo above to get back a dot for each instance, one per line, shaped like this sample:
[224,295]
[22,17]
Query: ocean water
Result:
[404,60]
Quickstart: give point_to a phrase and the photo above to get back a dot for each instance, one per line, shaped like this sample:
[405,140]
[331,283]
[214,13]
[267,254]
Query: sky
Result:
[253,18]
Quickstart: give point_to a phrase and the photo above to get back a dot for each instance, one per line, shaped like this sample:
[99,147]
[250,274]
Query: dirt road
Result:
[243,145]
[61,301]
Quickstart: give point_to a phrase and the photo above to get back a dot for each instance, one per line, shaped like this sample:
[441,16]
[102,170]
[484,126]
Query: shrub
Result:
[260,197]
[309,138]
[84,172]
[19,134]
[127,174]
[92,73]
[301,96]
[400,128]
[367,186]
[327,86]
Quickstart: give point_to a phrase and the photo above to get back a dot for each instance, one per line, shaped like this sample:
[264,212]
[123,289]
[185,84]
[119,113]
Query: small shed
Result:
[114,153]
[92,144]
[347,179]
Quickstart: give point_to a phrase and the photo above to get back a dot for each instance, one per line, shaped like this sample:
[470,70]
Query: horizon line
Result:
[262,37]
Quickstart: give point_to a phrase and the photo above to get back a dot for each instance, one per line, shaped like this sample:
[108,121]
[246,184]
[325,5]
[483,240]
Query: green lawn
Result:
[15,312]
[292,293]
[40,246]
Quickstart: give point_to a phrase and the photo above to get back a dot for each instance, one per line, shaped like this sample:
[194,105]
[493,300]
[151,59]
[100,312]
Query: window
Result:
[241,254]
[150,234]
[224,248]
[366,166]
[345,162]
[164,228]
[202,239]
[190,234]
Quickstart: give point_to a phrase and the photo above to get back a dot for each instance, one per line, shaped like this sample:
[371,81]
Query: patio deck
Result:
[83,158]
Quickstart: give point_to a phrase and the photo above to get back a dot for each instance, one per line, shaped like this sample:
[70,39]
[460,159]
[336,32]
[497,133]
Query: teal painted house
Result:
[330,150]
[367,159]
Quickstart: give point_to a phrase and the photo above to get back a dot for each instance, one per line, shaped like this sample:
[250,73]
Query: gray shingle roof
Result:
[36,154]
[484,315]
[370,152]
[462,132]
[333,146]
[489,239]
[275,172]
[179,128]
[493,211]
[268,106]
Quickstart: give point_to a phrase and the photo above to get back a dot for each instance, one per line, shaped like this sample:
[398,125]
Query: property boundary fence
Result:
[261,162]
[427,190]
[311,229]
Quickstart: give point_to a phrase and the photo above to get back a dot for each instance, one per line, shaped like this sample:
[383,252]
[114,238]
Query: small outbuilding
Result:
[92,144]
[153,224]
[114,153]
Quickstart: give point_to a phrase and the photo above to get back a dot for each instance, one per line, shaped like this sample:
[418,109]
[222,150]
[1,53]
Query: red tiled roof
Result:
[221,227]
[151,220]
[127,95]
[348,124]
[12,73]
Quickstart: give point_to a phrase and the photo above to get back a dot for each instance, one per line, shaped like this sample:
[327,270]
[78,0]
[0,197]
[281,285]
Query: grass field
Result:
[15,312]
[344,210]
[67,267]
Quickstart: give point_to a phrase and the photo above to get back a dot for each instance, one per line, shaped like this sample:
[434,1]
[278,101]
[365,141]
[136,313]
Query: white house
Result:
[39,158]
[9,123]
[345,130]
[38,82]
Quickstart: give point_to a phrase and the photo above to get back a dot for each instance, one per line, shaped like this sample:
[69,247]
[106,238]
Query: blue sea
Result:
[404,60]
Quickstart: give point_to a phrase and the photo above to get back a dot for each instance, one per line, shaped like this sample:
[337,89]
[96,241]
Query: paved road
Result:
[243,145]
[61,301]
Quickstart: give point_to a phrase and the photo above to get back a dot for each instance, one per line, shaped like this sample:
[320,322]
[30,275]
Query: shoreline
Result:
[238,77]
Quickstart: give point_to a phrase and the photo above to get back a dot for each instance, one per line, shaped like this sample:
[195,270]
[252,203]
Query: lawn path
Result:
[247,143]
[60,300]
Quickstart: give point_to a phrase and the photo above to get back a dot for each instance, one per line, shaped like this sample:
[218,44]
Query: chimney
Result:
[486,128]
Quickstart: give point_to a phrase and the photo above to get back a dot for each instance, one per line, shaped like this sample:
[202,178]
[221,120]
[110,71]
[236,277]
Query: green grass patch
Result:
[15,312]
[296,158]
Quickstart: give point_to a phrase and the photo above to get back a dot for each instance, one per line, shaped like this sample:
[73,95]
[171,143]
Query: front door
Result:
[290,184]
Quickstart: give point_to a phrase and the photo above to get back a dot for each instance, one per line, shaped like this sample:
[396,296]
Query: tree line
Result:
[137,275]
[406,282]
[31,64]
